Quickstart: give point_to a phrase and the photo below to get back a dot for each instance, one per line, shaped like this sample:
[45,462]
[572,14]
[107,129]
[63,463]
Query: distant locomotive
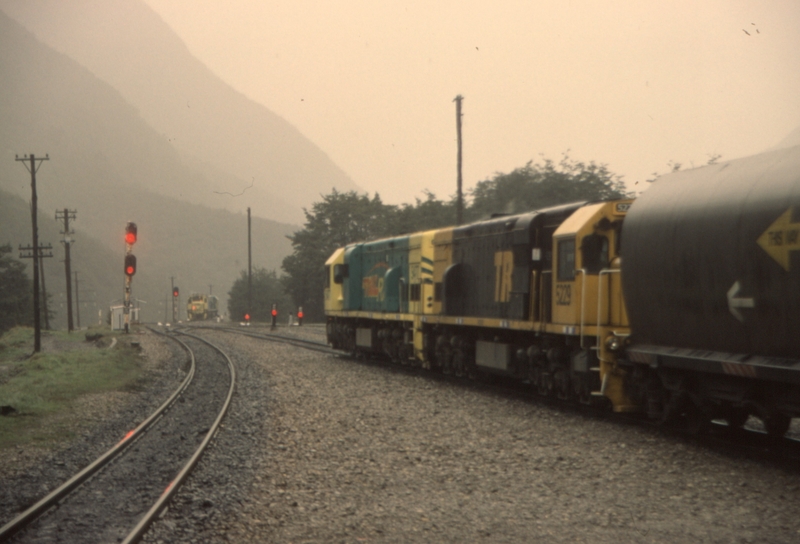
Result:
[710,279]
[201,307]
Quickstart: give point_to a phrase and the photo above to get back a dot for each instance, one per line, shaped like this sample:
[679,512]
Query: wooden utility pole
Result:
[27,253]
[66,215]
[34,166]
[77,301]
[460,196]
[44,292]
[249,266]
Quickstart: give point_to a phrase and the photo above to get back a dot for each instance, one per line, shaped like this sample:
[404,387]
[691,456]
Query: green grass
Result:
[45,386]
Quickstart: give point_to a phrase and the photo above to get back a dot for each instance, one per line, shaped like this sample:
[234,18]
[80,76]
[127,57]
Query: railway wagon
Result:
[711,279]
[200,307]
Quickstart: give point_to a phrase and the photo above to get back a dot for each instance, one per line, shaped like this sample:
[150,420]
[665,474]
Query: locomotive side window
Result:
[566,260]
[594,253]
[340,271]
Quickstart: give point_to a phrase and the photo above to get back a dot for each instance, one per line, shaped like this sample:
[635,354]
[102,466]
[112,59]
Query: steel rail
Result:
[61,491]
[299,342]
[176,483]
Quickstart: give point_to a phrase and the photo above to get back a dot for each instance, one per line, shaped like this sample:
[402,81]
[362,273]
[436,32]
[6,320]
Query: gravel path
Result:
[321,449]
[331,450]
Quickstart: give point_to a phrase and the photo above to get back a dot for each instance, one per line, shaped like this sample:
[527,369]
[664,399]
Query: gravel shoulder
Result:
[343,451]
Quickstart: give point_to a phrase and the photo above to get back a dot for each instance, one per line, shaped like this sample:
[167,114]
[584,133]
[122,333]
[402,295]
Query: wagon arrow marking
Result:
[780,238]
[735,302]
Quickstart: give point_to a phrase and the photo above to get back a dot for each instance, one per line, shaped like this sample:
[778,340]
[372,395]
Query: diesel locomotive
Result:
[200,307]
[683,304]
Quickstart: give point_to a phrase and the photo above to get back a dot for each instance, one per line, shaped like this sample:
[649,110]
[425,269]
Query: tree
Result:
[340,219]
[430,214]
[266,290]
[536,186]
[16,301]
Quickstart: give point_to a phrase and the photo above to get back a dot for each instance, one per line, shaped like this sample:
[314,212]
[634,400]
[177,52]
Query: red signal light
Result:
[130,265]
[130,233]
[247,317]
[175,292]
[274,312]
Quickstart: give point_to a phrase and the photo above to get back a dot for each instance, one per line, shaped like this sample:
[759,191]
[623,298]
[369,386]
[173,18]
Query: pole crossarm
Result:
[29,250]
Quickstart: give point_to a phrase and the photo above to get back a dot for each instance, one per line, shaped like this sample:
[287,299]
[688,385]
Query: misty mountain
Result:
[239,144]
[105,162]
[792,139]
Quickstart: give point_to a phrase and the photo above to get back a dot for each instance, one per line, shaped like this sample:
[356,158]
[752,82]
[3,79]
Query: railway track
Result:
[274,336]
[116,497]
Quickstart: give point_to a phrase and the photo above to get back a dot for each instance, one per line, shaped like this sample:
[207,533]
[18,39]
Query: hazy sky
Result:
[628,83]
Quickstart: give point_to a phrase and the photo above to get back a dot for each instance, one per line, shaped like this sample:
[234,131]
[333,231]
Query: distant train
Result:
[200,307]
[683,304]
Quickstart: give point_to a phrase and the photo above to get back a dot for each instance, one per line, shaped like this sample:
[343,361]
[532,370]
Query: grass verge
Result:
[42,389]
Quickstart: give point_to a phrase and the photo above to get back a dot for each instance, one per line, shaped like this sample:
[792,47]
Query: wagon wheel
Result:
[777,424]
[736,417]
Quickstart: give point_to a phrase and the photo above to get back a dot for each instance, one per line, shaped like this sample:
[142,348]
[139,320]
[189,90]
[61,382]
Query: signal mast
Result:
[130,268]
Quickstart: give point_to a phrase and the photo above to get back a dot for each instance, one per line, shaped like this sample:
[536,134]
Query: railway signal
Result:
[130,265]
[274,316]
[300,316]
[130,233]
[175,292]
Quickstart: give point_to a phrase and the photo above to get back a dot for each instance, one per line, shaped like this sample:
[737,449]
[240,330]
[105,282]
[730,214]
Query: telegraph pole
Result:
[460,201]
[28,254]
[249,265]
[66,215]
[34,166]
[44,292]
[77,301]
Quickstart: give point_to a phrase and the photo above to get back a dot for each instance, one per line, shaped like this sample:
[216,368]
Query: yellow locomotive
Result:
[201,307]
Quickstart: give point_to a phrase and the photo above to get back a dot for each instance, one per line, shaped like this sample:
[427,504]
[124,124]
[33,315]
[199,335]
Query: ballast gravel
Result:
[317,448]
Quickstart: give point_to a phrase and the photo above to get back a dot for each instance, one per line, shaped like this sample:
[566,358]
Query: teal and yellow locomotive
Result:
[535,296]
